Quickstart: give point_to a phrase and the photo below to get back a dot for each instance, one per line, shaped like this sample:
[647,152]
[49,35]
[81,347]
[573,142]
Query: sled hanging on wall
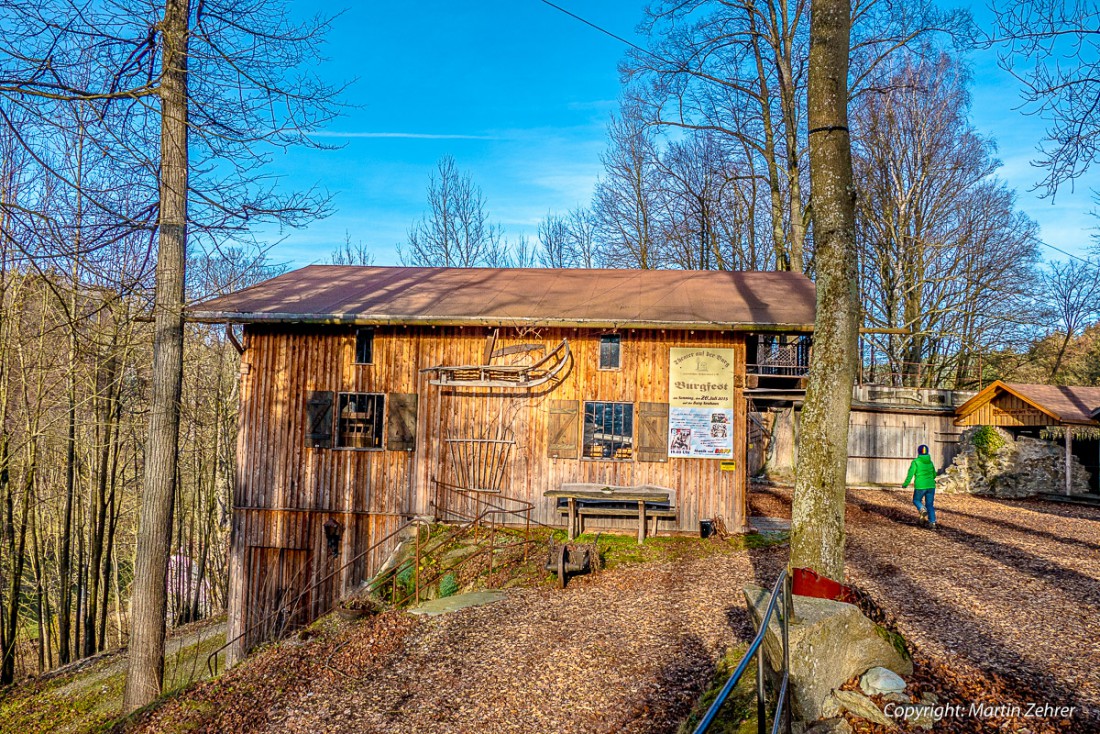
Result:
[518,376]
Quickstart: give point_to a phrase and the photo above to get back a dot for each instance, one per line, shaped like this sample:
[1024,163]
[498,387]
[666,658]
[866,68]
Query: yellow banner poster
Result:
[700,399]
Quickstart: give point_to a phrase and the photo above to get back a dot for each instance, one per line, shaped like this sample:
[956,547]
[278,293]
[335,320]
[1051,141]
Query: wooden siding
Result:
[1007,410]
[881,445]
[286,488]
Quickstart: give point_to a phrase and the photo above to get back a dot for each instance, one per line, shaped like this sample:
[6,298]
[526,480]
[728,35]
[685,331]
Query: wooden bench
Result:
[575,501]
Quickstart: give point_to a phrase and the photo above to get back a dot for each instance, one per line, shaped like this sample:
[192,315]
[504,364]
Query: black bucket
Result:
[706,528]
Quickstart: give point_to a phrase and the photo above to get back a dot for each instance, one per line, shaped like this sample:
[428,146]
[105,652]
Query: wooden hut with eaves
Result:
[1026,409]
[366,390]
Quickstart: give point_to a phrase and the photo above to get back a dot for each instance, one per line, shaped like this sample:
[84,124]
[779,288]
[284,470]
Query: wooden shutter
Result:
[319,419]
[401,422]
[563,435]
[652,432]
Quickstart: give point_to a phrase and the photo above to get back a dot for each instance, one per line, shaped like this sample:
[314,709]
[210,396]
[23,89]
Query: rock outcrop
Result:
[991,462]
[830,642]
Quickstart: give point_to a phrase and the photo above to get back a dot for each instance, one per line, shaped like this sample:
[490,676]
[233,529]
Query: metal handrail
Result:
[781,590]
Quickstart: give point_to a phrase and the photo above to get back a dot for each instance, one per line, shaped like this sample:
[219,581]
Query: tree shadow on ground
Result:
[1008,682]
[1082,587]
[1046,507]
[673,690]
[1009,675]
[1027,529]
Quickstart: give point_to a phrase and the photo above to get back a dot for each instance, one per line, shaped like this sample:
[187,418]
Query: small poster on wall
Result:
[700,403]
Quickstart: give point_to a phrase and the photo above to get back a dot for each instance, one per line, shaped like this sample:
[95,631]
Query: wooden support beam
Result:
[1069,459]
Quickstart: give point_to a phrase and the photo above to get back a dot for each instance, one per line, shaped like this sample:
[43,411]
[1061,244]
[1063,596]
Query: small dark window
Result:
[364,346]
[610,352]
[608,431]
[359,424]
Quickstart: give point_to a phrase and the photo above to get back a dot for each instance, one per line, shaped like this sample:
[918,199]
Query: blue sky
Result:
[520,95]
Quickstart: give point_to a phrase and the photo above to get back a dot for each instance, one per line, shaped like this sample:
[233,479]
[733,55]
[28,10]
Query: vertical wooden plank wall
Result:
[285,490]
[881,444]
[703,489]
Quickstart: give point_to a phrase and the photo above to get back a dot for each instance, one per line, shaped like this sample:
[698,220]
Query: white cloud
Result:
[402,136]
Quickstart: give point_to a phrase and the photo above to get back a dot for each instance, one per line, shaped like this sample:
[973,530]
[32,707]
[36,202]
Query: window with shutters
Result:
[364,346]
[359,420]
[608,431]
[319,419]
[563,439]
[652,444]
[401,422]
[610,352]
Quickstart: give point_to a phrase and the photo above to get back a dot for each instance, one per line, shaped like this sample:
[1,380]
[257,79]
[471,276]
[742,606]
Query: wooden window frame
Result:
[619,353]
[364,331]
[633,429]
[378,429]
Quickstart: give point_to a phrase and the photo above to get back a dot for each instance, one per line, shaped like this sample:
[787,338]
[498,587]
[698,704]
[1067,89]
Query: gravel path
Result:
[1001,604]
[627,650]
[1004,595]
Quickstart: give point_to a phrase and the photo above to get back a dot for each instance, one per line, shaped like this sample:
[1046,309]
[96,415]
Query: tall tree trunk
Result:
[65,593]
[779,238]
[19,556]
[65,570]
[105,433]
[146,669]
[7,534]
[112,522]
[39,592]
[817,520]
[81,578]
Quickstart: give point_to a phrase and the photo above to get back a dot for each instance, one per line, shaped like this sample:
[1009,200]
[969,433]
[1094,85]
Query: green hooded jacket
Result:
[922,473]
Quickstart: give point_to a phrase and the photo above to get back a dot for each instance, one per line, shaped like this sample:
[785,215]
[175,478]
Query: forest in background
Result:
[704,169]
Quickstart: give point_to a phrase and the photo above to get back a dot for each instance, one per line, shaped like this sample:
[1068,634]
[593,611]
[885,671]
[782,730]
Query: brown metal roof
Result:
[709,299]
[1071,403]
[1066,403]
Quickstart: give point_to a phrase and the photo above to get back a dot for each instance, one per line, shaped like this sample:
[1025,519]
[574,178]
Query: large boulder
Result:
[830,642]
[993,463]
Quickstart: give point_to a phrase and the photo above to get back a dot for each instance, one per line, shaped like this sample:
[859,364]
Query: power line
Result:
[604,31]
[652,55]
[1086,261]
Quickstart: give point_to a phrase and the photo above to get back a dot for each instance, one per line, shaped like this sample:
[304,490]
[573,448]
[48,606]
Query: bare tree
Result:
[456,231]
[352,254]
[1053,48]
[817,513]
[944,255]
[555,246]
[1073,298]
[195,145]
[737,69]
[581,227]
[627,206]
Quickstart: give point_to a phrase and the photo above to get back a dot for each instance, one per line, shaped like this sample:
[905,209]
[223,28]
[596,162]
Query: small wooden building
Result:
[1026,409]
[358,384]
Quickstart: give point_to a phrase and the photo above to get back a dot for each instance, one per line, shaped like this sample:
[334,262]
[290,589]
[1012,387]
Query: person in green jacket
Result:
[922,473]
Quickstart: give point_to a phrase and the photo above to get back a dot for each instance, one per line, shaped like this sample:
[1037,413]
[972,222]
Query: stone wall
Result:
[1008,467]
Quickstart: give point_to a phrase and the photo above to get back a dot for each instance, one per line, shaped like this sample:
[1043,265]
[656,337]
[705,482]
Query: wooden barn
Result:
[1027,409]
[367,393]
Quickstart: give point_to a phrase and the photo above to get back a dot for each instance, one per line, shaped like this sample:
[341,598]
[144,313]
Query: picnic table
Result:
[600,499]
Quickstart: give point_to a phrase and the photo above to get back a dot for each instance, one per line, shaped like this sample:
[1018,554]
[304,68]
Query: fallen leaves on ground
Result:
[1000,606]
